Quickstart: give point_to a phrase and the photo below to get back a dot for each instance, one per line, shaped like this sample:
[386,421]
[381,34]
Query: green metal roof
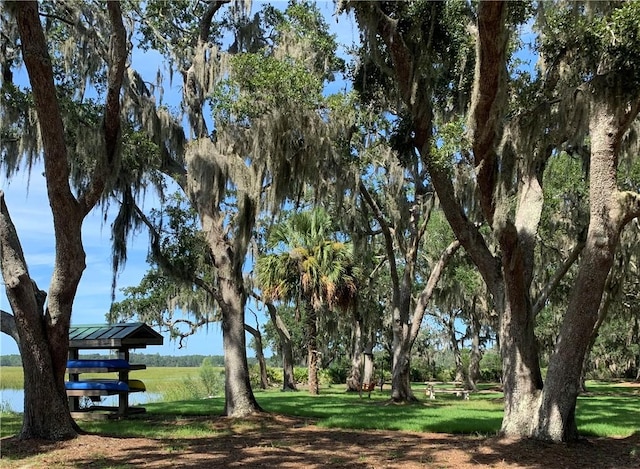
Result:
[131,335]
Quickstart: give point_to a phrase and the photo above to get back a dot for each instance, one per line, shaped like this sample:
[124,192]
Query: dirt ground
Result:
[282,442]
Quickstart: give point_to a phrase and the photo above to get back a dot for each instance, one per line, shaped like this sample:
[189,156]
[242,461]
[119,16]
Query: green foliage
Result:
[422,370]
[301,375]
[295,325]
[308,263]
[172,26]
[600,38]
[275,375]
[180,259]
[289,71]
[212,379]
[450,142]
[338,371]
[258,84]
[303,23]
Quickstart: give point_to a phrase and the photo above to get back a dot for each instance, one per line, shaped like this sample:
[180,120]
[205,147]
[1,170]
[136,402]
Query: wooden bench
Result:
[431,392]
[367,387]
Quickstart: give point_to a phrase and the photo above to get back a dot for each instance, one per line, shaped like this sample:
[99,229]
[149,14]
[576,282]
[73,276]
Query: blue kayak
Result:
[109,363]
[97,385]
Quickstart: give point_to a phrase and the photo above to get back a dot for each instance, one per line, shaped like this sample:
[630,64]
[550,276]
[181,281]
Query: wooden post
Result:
[74,402]
[123,375]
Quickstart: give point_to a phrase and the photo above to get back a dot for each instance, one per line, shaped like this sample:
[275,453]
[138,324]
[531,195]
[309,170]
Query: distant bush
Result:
[301,375]
[212,380]
[186,389]
[10,360]
[325,377]
[421,370]
[490,375]
[337,372]
[445,375]
[275,375]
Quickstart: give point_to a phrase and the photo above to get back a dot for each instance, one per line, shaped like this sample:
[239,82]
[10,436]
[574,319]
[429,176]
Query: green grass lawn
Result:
[609,410]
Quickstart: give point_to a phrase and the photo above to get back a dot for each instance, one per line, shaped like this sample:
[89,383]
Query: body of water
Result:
[13,399]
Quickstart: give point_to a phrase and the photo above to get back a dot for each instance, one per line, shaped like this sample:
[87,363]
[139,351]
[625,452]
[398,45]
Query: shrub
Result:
[187,389]
[212,379]
[325,377]
[301,375]
[421,370]
[275,375]
[445,375]
[337,372]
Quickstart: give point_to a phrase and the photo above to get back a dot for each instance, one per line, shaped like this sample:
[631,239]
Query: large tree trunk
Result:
[521,376]
[354,379]
[401,375]
[230,296]
[401,351]
[312,351]
[239,398]
[44,338]
[46,412]
[286,350]
[610,210]
[368,372]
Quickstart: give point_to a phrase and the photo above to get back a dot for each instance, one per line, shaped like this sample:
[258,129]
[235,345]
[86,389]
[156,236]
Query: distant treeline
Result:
[141,358]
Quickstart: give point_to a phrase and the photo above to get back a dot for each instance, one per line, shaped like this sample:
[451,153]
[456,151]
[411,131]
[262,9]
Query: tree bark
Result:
[368,372]
[473,372]
[7,321]
[609,211]
[289,381]
[312,351]
[46,411]
[354,380]
[239,398]
[401,344]
[44,338]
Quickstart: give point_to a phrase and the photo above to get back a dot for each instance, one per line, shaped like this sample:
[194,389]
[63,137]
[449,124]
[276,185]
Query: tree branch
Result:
[111,123]
[25,298]
[8,326]
[487,103]
[386,230]
[427,292]
[555,280]
[167,266]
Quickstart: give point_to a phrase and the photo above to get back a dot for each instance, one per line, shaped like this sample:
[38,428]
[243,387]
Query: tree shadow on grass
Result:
[275,441]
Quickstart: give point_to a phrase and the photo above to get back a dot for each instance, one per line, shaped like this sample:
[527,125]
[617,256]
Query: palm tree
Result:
[311,268]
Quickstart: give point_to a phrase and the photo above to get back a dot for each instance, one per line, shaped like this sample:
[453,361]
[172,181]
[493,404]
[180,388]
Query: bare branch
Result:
[555,280]
[386,230]
[427,292]
[8,326]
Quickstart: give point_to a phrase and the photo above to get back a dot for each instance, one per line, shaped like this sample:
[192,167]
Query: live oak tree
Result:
[395,200]
[270,133]
[49,121]
[514,127]
[175,294]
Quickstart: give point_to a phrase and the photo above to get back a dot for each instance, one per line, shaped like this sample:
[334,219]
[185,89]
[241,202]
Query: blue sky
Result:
[28,205]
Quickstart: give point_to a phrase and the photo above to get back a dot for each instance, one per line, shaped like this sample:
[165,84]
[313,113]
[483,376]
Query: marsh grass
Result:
[11,377]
